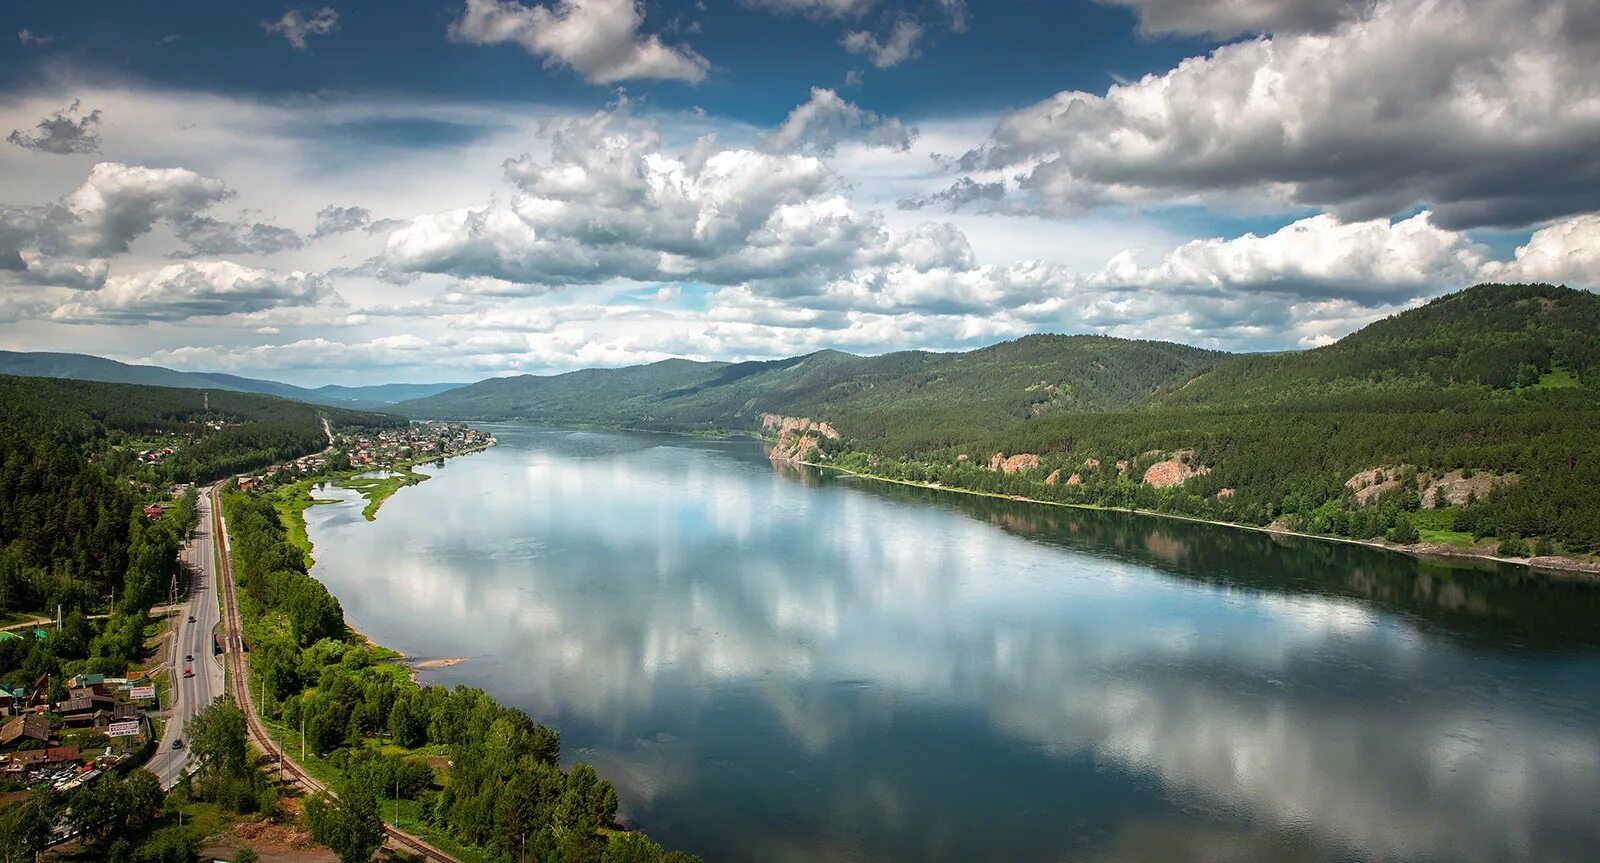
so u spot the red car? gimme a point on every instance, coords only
(188, 671)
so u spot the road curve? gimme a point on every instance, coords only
(236, 683)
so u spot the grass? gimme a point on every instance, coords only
(377, 489)
(16, 618)
(1558, 378)
(291, 502)
(1438, 526)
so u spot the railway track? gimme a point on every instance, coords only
(233, 653)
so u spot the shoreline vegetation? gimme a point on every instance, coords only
(473, 777)
(1552, 565)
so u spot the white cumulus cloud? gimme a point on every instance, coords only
(599, 39)
(826, 120)
(1464, 107)
(194, 289)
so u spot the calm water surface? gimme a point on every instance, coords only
(774, 665)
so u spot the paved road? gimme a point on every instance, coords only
(187, 696)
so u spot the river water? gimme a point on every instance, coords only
(773, 664)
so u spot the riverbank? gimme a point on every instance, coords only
(1557, 566)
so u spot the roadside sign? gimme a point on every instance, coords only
(139, 692)
(122, 729)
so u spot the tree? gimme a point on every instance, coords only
(25, 828)
(348, 825)
(1513, 547)
(1404, 532)
(407, 724)
(218, 740)
(170, 845)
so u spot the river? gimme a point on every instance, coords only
(774, 664)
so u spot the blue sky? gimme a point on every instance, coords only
(761, 63)
(359, 192)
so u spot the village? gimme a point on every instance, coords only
(375, 449)
(99, 724)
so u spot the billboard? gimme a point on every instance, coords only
(142, 692)
(122, 729)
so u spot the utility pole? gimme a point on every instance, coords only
(302, 734)
(397, 804)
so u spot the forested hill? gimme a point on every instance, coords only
(84, 367)
(901, 401)
(1471, 344)
(1474, 416)
(212, 433)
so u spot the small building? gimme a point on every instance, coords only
(95, 682)
(81, 711)
(24, 728)
(153, 511)
(12, 699)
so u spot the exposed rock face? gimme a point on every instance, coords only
(1452, 488)
(1375, 481)
(1091, 464)
(1173, 471)
(1433, 490)
(798, 437)
(1122, 466)
(769, 422)
(962, 457)
(1224, 493)
(1075, 479)
(1054, 475)
(1018, 462)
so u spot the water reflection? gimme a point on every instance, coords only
(789, 666)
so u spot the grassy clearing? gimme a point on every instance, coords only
(377, 489)
(291, 502)
(1558, 378)
(1438, 526)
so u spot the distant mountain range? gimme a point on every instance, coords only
(84, 367)
(904, 401)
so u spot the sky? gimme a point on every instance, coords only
(367, 192)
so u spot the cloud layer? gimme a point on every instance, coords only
(1460, 106)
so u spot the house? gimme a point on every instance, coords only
(12, 699)
(39, 695)
(95, 682)
(81, 711)
(22, 729)
(152, 511)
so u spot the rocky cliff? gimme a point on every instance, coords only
(798, 437)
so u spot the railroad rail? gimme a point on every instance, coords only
(233, 654)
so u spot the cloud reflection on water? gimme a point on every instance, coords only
(715, 633)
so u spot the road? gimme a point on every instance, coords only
(188, 695)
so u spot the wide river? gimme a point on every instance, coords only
(780, 665)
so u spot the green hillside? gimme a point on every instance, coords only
(212, 433)
(84, 367)
(1472, 343)
(900, 402)
(1459, 389)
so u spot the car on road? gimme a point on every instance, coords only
(188, 670)
(188, 657)
(177, 744)
(191, 618)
